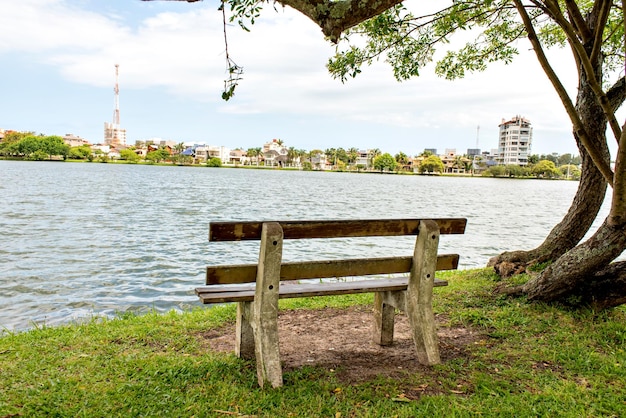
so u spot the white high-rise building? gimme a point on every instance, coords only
(515, 141)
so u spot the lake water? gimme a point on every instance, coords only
(84, 240)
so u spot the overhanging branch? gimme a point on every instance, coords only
(579, 128)
(334, 17)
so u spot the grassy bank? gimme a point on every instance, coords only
(532, 360)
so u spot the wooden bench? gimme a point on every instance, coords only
(257, 287)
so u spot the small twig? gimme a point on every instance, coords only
(234, 71)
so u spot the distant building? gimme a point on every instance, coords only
(114, 135)
(204, 153)
(433, 151)
(472, 152)
(363, 158)
(515, 141)
(75, 141)
(274, 153)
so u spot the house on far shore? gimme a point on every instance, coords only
(238, 156)
(204, 153)
(363, 158)
(274, 153)
(74, 140)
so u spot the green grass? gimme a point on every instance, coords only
(531, 360)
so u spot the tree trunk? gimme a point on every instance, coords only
(584, 276)
(587, 201)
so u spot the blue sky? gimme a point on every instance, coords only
(58, 73)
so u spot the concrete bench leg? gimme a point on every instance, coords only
(385, 304)
(244, 337)
(420, 291)
(265, 306)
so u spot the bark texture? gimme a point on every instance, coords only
(584, 275)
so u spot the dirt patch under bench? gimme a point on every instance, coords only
(341, 340)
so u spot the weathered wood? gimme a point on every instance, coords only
(245, 273)
(384, 316)
(385, 305)
(258, 288)
(265, 307)
(246, 292)
(244, 336)
(237, 231)
(419, 293)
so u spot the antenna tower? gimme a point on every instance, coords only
(477, 135)
(116, 89)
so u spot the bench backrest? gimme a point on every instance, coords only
(238, 231)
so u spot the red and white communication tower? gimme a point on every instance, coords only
(114, 135)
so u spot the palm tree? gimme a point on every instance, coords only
(458, 162)
(292, 154)
(254, 152)
(371, 154)
(402, 159)
(331, 153)
(353, 154)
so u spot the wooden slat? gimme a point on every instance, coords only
(230, 274)
(245, 292)
(237, 231)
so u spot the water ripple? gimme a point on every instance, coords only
(134, 238)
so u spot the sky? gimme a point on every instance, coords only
(58, 74)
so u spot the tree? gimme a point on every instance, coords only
(342, 156)
(570, 171)
(402, 159)
(495, 171)
(371, 155)
(468, 165)
(514, 170)
(129, 155)
(79, 153)
(292, 154)
(431, 164)
(8, 145)
(157, 156)
(214, 162)
(39, 147)
(385, 162)
(331, 154)
(353, 155)
(593, 31)
(545, 169)
(533, 159)
(180, 147)
(255, 153)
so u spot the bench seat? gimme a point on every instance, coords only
(245, 292)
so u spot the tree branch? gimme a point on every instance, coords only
(579, 128)
(334, 17)
(603, 16)
(586, 63)
(579, 21)
(617, 94)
